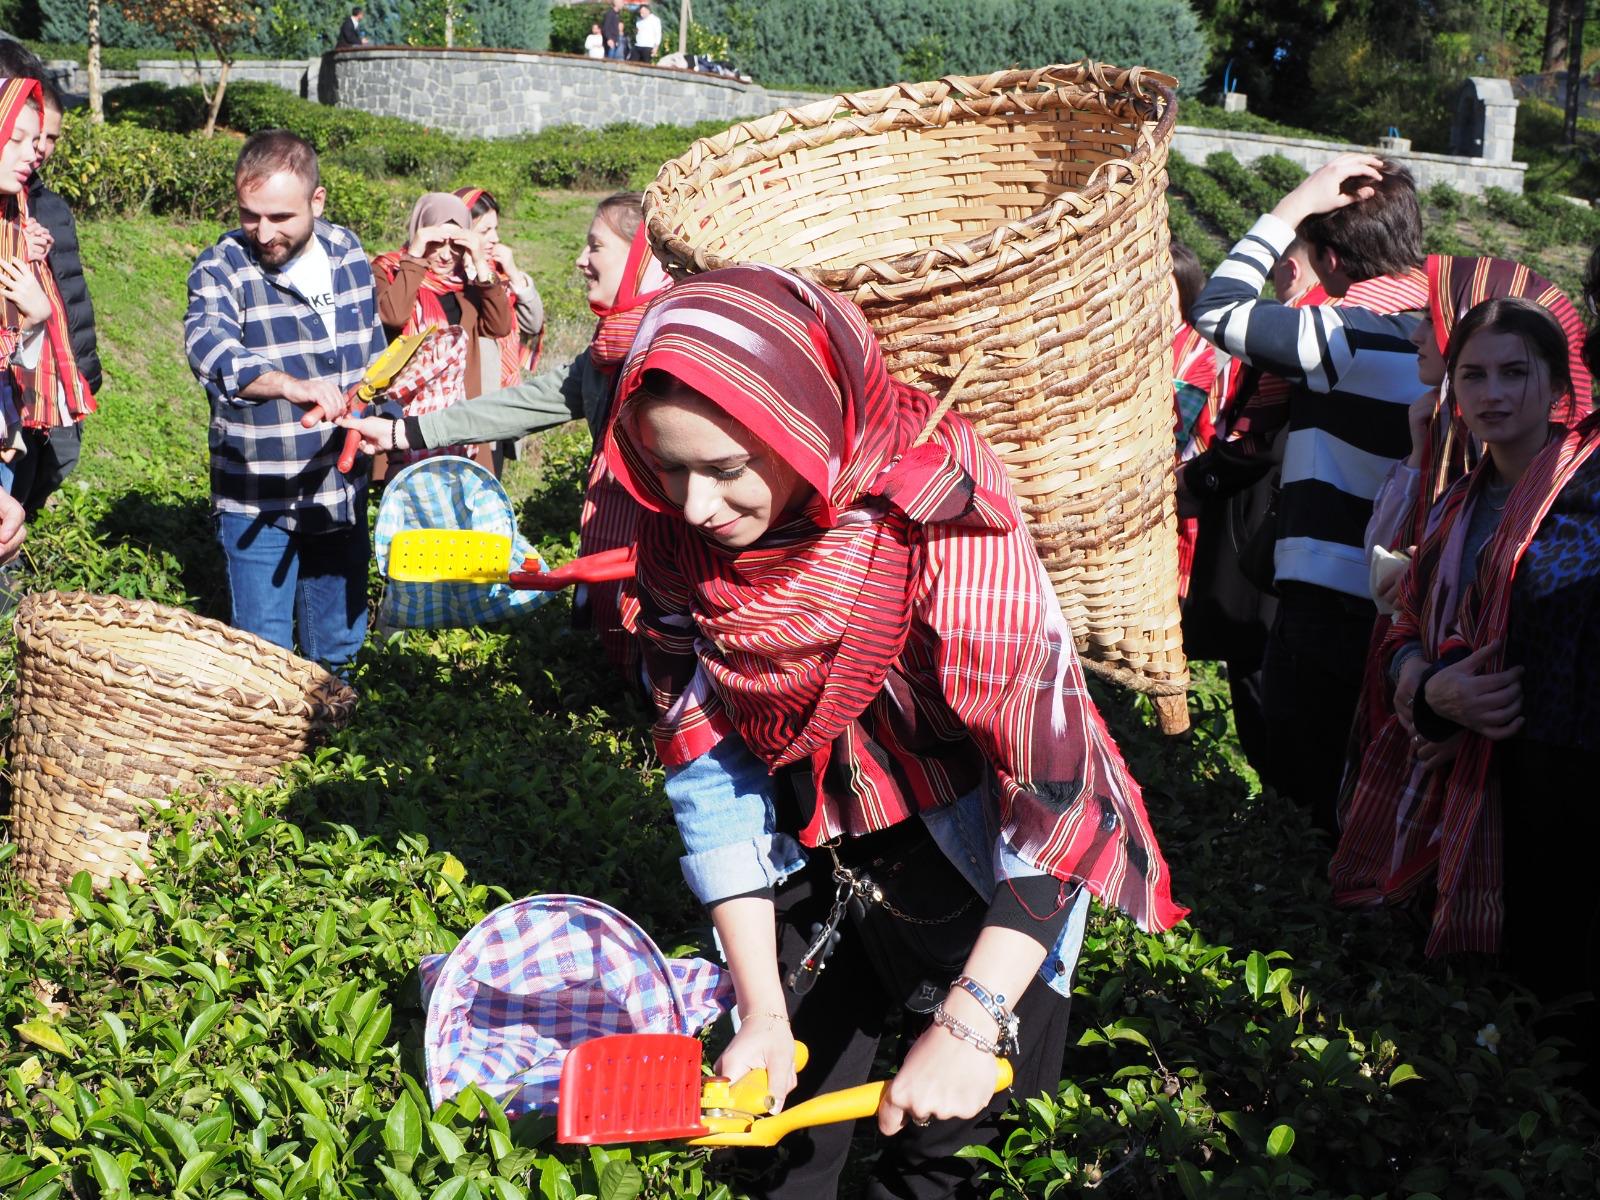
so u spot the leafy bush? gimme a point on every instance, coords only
(839, 44)
(1210, 202)
(301, 28)
(570, 23)
(1253, 193)
(1281, 174)
(1209, 116)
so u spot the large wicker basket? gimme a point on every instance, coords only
(1009, 230)
(120, 703)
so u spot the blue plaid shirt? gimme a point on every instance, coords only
(244, 321)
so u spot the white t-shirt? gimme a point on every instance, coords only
(647, 32)
(311, 274)
(595, 46)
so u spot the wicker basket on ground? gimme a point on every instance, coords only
(120, 703)
(1005, 234)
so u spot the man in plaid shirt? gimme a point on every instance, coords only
(282, 322)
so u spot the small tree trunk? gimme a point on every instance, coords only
(449, 24)
(1574, 75)
(216, 96)
(1558, 23)
(97, 108)
(685, 15)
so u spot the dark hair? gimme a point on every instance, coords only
(18, 62)
(485, 203)
(1535, 324)
(273, 150)
(1381, 235)
(623, 211)
(1190, 277)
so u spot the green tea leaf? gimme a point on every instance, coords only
(44, 1035)
(620, 1181)
(1280, 1141)
(204, 1023)
(402, 1132)
(399, 1183)
(108, 1173)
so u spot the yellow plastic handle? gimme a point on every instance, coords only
(851, 1104)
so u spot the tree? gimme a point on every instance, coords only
(219, 25)
(97, 109)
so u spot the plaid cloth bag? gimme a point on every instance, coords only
(449, 493)
(535, 978)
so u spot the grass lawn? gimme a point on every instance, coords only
(246, 1023)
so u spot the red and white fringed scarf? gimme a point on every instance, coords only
(610, 517)
(897, 639)
(1403, 826)
(56, 375)
(1194, 382)
(1455, 286)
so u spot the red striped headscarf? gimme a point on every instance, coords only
(610, 517)
(1403, 827)
(895, 641)
(57, 372)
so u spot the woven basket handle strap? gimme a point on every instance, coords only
(950, 397)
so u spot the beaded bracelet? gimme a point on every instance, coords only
(1006, 1024)
(964, 1031)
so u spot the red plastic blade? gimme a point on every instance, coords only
(591, 568)
(630, 1087)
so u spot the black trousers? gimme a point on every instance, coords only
(845, 1015)
(1311, 683)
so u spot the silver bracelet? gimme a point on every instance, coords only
(1007, 1027)
(964, 1031)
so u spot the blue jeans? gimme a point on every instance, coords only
(277, 579)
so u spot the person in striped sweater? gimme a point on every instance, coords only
(880, 749)
(1353, 370)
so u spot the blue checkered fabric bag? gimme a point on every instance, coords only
(538, 976)
(449, 492)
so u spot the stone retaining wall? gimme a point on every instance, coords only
(1469, 175)
(496, 93)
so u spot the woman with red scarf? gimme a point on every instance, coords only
(444, 277)
(42, 388)
(895, 791)
(1480, 783)
(621, 277)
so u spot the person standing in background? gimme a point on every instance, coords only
(595, 44)
(350, 32)
(611, 32)
(646, 35)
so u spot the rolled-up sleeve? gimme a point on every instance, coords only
(722, 802)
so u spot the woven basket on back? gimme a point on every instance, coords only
(120, 703)
(1009, 231)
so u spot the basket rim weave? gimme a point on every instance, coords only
(934, 104)
(335, 699)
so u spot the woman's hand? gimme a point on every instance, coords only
(1489, 705)
(21, 286)
(378, 434)
(1420, 417)
(501, 257)
(12, 528)
(765, 1042)
(476, 263)
(1435, 756)
(39, 239)
(430, 237)
(942, 1077)
(1405, 692)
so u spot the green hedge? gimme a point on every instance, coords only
(846, 44)
(300, 28)
(105, 170)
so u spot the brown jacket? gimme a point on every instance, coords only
(485, 314)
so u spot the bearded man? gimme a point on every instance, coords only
(282, 322)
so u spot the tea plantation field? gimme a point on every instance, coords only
(245, 1022)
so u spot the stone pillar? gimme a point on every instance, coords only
(1235, 102)
(1485, 124)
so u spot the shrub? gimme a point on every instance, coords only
(840, 44)
(1210, 202)
(1249, 189)
(301, 28)
(1281, 174)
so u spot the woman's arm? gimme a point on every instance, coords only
(495, 319)
(944, 1076)
(397, 297)
(747, 930)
